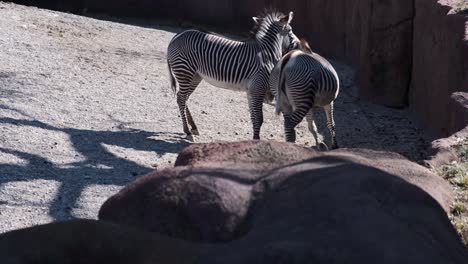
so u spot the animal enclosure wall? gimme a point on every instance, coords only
(388, 42)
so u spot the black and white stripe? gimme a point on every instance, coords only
(237, 65)
(301, 81)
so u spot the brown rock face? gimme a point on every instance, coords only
(459, 115)
(89, 241)
(440, 66)
(442, 150)
(344, 206)
(384, 65)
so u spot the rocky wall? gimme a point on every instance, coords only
(440, 66)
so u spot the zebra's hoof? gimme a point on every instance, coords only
(322, 146)
(335, 146)
(195, 132)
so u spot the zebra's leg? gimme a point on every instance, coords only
(313, 129)
(291, 120)
(194, 129)
(186, 88)
(255, 95)
(182, 102)
(331, 124)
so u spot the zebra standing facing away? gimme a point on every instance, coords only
(237, 65)
(302, 80)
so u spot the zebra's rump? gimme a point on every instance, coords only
(314, 71)
(304, 80)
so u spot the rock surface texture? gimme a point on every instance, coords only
(90, 241)
(440, 65)
(442, 150)
(324, 207)
(459, 114)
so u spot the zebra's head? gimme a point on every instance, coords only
(272, 23)
(290, 42)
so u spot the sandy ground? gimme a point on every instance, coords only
(86, 107)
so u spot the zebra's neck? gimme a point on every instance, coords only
(271, 47)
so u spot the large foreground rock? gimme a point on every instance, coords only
(252, 155)
(346, 206)
(260, 157)
(343, 213)
(190, 203)
(88, 241)
(207, 195)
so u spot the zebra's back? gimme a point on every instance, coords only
(220, 61)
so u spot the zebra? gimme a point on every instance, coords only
(301, 81)
(194, 55)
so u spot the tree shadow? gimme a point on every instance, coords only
(97, 165)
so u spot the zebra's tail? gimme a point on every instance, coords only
(283, 103)
(172, 79)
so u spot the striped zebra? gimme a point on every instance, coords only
(301, 81)
(237, 65)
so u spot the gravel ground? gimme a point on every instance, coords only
(86, 107)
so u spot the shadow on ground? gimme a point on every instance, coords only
(98, 167)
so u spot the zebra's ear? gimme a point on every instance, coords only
(255, 19)
(291, 15)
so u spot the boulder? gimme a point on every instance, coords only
(342, 206)
(396, 164)
(263, 156)
(258, 155)
(207, 195)
(459, 104)
(90, 241)
(195, 204)
(332, 210)
(442, 150)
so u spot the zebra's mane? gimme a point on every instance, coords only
(265, 20)
(304, 46)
